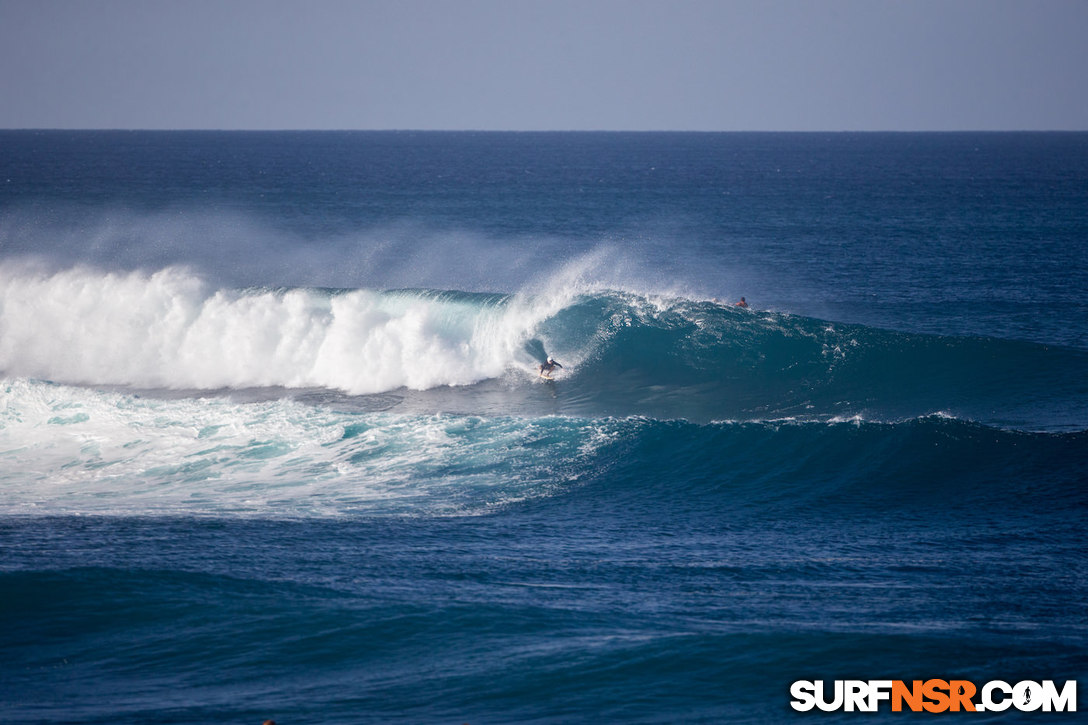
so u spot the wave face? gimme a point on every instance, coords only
(702, 361)
(623, 353)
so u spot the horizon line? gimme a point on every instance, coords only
(526, 131)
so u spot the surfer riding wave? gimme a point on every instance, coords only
(547, 368)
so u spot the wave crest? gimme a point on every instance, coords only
(168, 329)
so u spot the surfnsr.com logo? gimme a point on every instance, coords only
(934, 696)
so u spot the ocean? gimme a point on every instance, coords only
(273, 442)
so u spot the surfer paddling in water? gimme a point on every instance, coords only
(546, 368)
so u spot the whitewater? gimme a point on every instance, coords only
(168, 329)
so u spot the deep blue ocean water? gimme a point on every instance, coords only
(273, 443)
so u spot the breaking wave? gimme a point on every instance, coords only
(623, 353)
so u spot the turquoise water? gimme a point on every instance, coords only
(273, 445)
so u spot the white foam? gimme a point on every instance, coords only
(66, 450)
(170, 329)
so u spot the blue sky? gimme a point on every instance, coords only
(534, 65)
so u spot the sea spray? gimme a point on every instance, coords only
(169, 329)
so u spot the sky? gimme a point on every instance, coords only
(681, 65)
